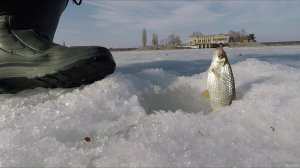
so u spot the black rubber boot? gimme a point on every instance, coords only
(30, 59)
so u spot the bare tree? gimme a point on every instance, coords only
(243, 32)
(174, 40)
(170, 40)
(178, 41)
(238, 36)
(154, 40)
(162, 42)
(234, 35)
(243, 35)
(144, 37)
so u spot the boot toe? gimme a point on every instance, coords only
(88, 64)
(69, 67)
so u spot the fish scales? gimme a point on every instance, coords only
(220, 81)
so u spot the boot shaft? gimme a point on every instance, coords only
(30, 59)
(42, 15)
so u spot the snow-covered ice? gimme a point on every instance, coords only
(150, 113)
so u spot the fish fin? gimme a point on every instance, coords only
(223, 62)
(215, 73)
(206, 94)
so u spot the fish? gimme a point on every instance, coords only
(220, 81)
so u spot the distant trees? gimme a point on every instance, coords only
(238, 36)
(155, 40)
(241, 36)
(174, 40)
(162, 42)
(144, 37)
(251, 37)
(171, 40)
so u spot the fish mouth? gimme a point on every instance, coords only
(220, 61)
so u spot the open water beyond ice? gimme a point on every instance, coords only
(150, 113)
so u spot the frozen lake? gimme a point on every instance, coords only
(150, 113)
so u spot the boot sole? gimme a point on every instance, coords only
(82, 72)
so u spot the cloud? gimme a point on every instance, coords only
(262, 12)
(120, 22)
(154, 15)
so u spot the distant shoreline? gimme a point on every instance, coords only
(281, 43)
(256, 44)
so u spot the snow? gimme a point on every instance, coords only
(150, 113)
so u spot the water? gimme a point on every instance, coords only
(150, 113)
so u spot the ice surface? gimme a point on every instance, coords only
(150, 113)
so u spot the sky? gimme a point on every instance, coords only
(119, 23)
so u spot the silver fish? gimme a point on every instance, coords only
(220, 82)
